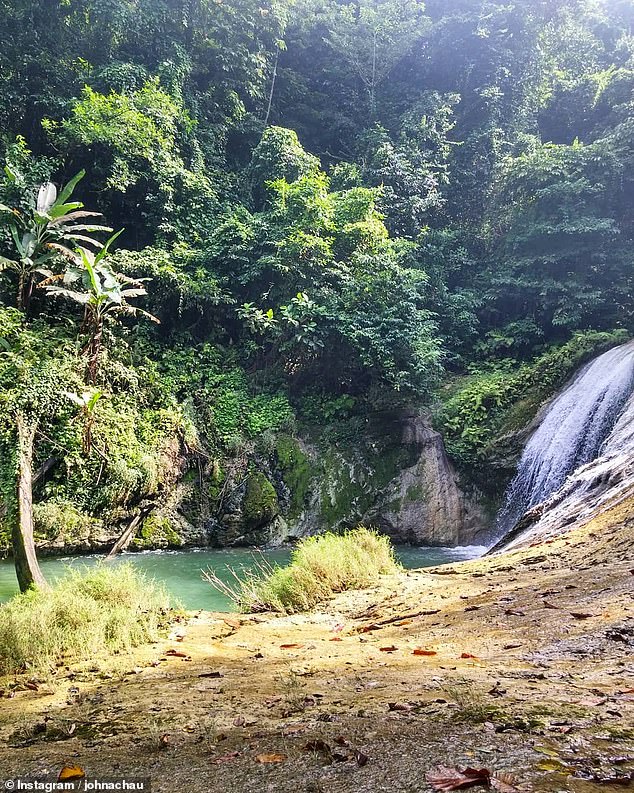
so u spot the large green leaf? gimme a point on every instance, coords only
(7, 264)
(82, 238)
(59, 210)
(68, 188)
(85, 227)
(84, 213)
(28, 244)
(83, 298)
(104, 251)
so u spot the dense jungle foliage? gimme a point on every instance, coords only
(326, 209)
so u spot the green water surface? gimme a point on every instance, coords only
(180, 571)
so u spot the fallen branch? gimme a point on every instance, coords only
(126, 537)
(375, 626)
(46, 466)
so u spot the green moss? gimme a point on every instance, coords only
(339, 492)
(351, 482)
(297, 472)
(502, 396)
(260, 504)
(157, 532)
(415, 493)
(216, 481)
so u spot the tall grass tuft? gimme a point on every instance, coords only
(89, 612)
(320, 566)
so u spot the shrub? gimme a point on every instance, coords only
(55, 519)
(319, 567)
(107, 608)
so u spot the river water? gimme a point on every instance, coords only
(180, 571)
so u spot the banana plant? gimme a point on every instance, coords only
(45, 232)
(86, 402)
(91, 282)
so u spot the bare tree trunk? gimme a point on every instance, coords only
(268, 108)
(27, 567)
(20, 295)
(93, 350)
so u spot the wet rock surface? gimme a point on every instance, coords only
(591, 490)
(392, 472)
(424, 504)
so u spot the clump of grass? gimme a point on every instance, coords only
(106, 608)
(293, 689)
(471, 705)
(320, 566)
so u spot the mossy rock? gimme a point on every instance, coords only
(416, 493)
(351, 482)
(157, 532)
(297, 472)
(260, 504)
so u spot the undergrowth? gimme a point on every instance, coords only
(319, 567)
(88, 613)
(503, 396)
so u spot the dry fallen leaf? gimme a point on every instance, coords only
(401, 706)
(318, 746)
(69, 772)
(553, 765)
(390, 649)
(270, 757)
(176, 653)
(290, 646)
(443, 778)
(580, 615)
(497, 690)
(361, 758)
(504, 783)
(225, 757)
(420, 651)
(468, 655)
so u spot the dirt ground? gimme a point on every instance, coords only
(521, 663)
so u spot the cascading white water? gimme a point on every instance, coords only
(571, 433)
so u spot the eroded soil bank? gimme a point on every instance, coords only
(527, 668)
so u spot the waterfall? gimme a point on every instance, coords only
(572, 432)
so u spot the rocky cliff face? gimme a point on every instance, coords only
(424, 504)
(392, 473)
(588, 492)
